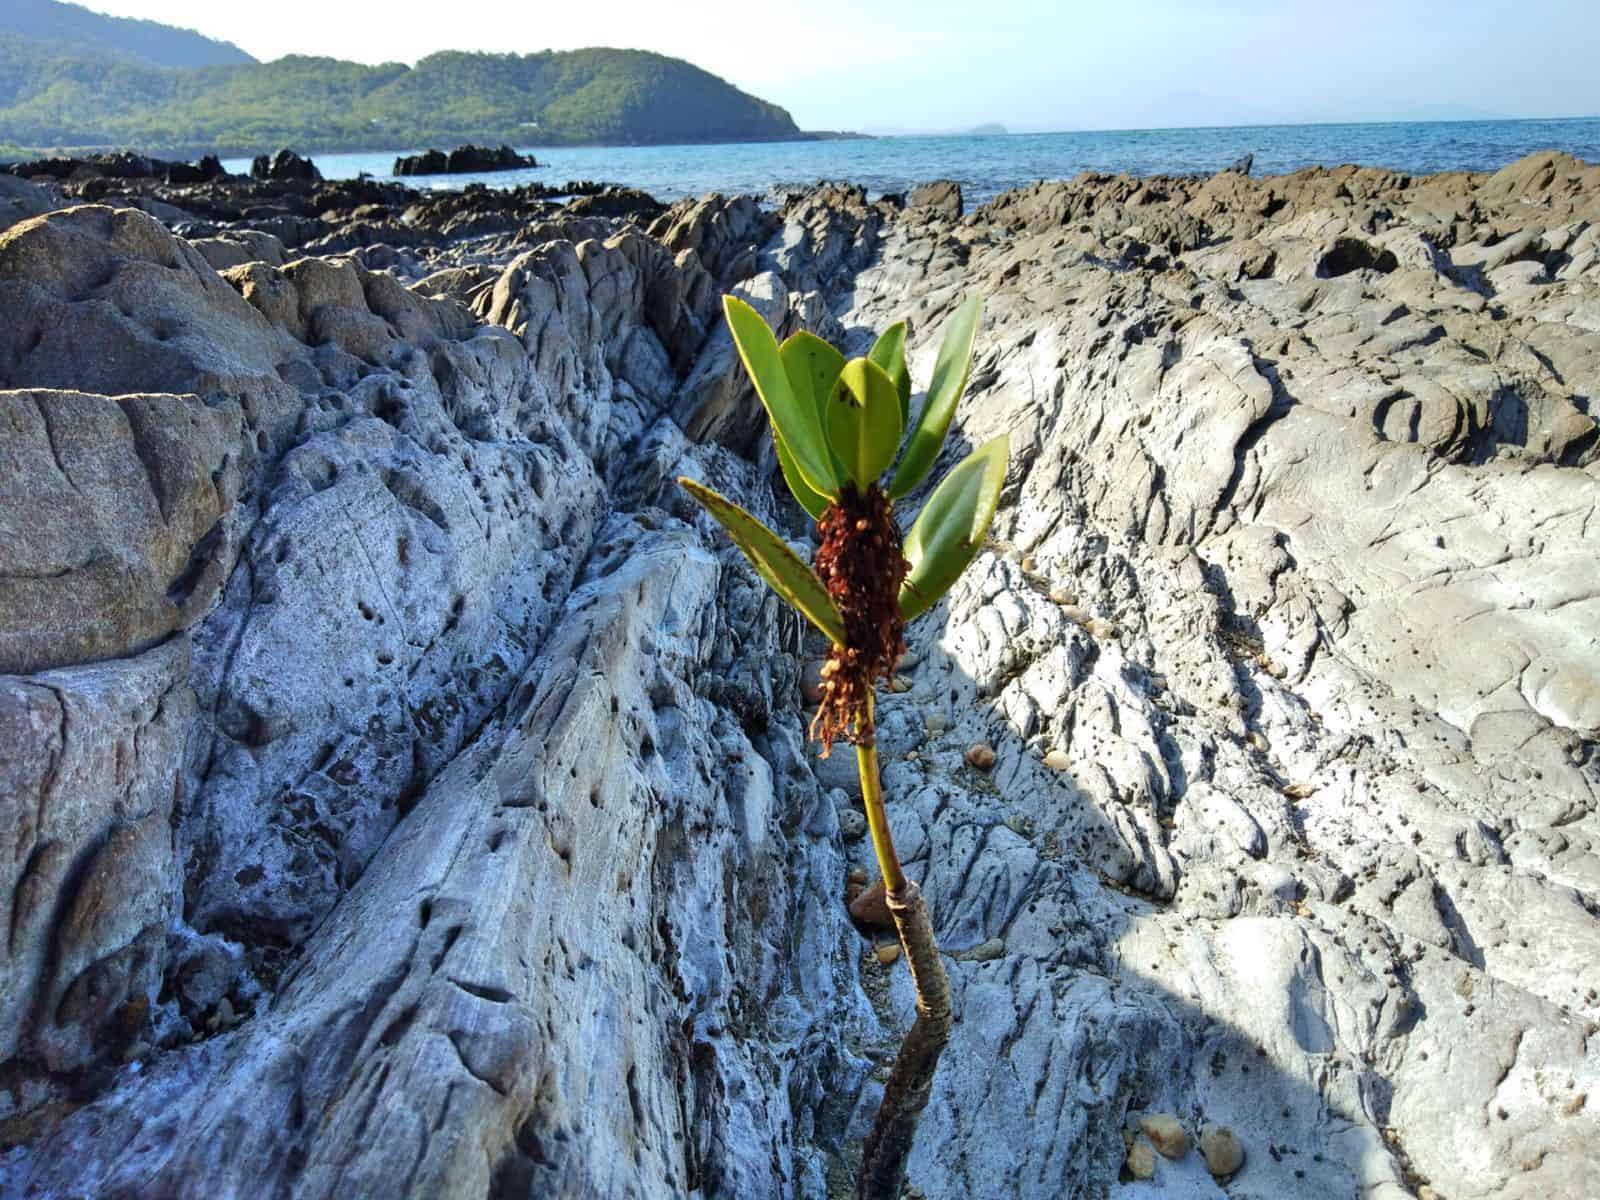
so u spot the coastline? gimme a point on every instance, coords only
(465, 833)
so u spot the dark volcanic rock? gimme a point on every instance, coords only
(464, 160)
(285, 167)
(616, 202)
(119, 166)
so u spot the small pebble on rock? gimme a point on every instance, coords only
(852, 825)
(1062, 596)
(1166, 1134)
(1057, 760)
(871, 909)
(988, 951)
(888, 953)
(858, 875)
(1141, 1161)
(1221, 1149)
(980, 755)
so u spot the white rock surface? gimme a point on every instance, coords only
(445, 746)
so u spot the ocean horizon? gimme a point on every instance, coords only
(988, 164)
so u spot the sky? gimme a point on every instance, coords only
(938, 65)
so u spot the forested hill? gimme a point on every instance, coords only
(71, 28)
(76, 100)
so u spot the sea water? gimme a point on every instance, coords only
(985, 166)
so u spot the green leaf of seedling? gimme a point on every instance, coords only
(951, 526)
(773, 561)
(950, 372)
(797, 423)
(889, 352)
(813, 368)
(813, 502)
(864, 420)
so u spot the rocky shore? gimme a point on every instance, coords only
(407, 791)
(464, 160)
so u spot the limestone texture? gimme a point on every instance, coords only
(406, 784)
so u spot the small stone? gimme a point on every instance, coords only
(1057, 760)
(1141, 1161)
(1165, 1134)
(1062, 597)
(900, 684)
(1258, 741)
(852, 825)
(1029, 563)
(1076, 615)
(858, 875)
(988, 951)
(1221, 1149)
(871, 909)
(225, 1016)
(1101, 631)
(1299, 791)
(888, 953)
(980, 756)
(1427, 1193)
(1277, 670)
(935, 723)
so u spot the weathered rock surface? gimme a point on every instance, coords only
(407, 786)
(464, 160)
(285, 166)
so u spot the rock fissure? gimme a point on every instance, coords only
(1284, 828)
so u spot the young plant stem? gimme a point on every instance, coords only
(894, 879)
(883, 1161)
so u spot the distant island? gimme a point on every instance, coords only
(72, 80)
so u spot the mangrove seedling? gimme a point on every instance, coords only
(838, 428)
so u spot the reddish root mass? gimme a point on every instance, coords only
(861, 564)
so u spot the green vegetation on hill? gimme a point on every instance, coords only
(67, 101)
(73, 29)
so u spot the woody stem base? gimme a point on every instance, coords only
(883, 1162)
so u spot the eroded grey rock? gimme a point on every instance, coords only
(494, 859)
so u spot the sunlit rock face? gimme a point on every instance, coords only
(407, 790)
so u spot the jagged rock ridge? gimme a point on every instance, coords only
(407, 787)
